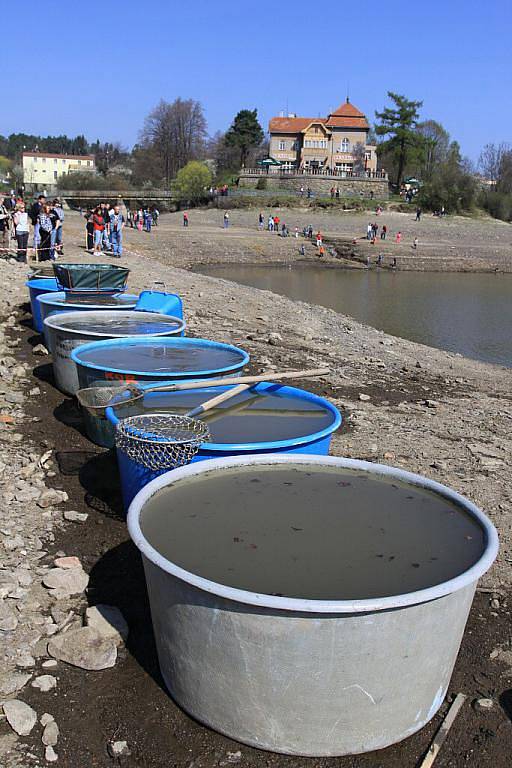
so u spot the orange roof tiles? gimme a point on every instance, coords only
(346, 116)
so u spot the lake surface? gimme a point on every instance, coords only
(466, 313)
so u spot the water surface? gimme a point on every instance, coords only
(317, 533)
(466, 313)
(156, 357)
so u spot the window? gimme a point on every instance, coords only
(282, 145)
(55, 162)
(345, 145)
(79, 162)
(63, 162)
(88, 162)
(55, 174)
(44, 159)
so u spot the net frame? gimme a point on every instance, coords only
(160, 441)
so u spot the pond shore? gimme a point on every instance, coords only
(404, 404)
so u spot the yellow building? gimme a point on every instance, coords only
(323, 143)
(41, 170)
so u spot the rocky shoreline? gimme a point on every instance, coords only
(71, 588)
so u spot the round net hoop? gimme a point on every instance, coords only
(160, 440)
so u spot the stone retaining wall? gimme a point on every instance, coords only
(320, 185)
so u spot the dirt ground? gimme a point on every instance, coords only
(429, 411)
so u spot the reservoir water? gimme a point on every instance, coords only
(468, 313)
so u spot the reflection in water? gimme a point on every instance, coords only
(466, 313)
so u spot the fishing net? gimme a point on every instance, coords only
(160, 440)
(95, 400)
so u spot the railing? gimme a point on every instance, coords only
(112, 194)
(337, 173)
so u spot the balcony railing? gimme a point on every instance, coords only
(337, 173)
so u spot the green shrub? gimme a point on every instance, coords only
(262, 183)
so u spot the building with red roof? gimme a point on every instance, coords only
(330, 143)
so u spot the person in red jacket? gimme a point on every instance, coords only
(98, 223)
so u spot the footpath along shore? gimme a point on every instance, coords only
(74, 690)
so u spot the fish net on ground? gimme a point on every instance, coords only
(159, 440)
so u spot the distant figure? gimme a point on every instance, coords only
(21, 227)
(117, 223)
(296, 232)
(89, 231)
(369, 231)
(302, 250)
(270, 223)
(321, 251)
(368, 262)
(380, 259)
(318, 239)
(310, 231)
(226, 220)
(393, 263)
(98, 227)
(309, 192)
(337, 193)
(276, 223)
(418, 214)
(260, 221)
(398, 238)
(415, 243)
(156, 214)
(185, 219)
(383, 232)
(302, 191)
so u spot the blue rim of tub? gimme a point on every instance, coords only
(143, 340)
(271, 445)
(49, 298)
(31, 282)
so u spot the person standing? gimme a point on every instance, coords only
(140, 219)
(185, 219)
(34, 215)
(302, 191)
(89, 231)
(415, 243)
(156, 214)
(56, 227)
(418, 214)
(383, 232)
(260, 221)
(106, 220)
(45, 221)
(57, 246)
(98, 229)
(117, 223)
(398, 238)
(21, 227)
(277, 221)
(270, 223)
(4, 226)
(369, 231)
(226, 220)
(149, 221)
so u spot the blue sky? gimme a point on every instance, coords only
(99, 68)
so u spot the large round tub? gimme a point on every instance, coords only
(268, 418)
(69, 330)
(36, 287)
(308, 605)
(64, 301)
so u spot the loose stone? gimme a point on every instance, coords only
(44, 683)
(108, 621)
(50, 734)
(20, 716)
(85, 648)
(118, 749)
(75, 517)
(50, 755)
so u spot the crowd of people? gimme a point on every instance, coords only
(105, 224)
(44, 218)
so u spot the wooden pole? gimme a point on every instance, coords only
(442, 733)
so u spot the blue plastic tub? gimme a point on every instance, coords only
(62, 301)
(159, 301)
(37, 286)
(93, 372)
(302, 406)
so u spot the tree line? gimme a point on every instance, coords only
(175, 134)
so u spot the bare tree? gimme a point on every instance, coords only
(491, 159)
(177, 133)
(434, 147)
(359, 154)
